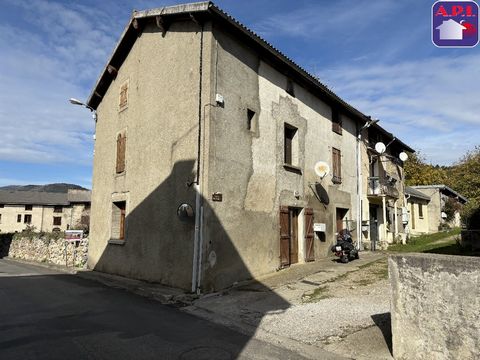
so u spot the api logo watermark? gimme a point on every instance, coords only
(455, 23)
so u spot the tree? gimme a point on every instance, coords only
(418, 172)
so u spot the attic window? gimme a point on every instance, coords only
(290, 88)
(336, 122)
(123, 98)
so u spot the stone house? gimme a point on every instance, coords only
(418, 214)
(206, 143)
(440, 195)
(45, 211)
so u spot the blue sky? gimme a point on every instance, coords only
(377, 55)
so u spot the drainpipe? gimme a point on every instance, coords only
(384, 214)
(198, 238)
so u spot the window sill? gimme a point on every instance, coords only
(336, 180)
(116, 242)
(292, 168)
(120, 174)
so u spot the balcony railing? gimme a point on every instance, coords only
(377, 187)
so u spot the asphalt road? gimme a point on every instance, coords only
(49, 315)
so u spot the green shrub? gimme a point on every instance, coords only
(470, 215)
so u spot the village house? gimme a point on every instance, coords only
(44, 211)
(418, 214)
(206, 144)
(444, 207)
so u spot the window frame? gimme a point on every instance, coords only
(337, 125)
(27, 219)
(57, 208)
(59, 222)
(336, 166)
(19, 218)
(28, 207)
(289, 134)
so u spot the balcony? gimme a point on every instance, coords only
(378, 187)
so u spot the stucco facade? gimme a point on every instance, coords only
(209, 120)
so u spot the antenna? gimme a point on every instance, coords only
(321, 169)
(380, 147)
(403, 156)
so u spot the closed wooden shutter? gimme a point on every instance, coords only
(337, 165)
(284, 236)
(309, 235)
(121, 144)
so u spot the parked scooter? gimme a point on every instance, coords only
(344, 248)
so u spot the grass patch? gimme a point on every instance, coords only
(428, 243)
(317, 295)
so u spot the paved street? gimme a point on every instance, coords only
(50, 315)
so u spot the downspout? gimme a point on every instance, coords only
(359, 191)
(198, 238)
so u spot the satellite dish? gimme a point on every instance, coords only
(321, 169)
(380, 147)
(403, 156)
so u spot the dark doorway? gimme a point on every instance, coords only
(288, 235)
(340, 218)
(374, 226)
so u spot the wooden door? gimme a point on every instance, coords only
(309, 235)
(284, 236)
(373, 226)
(293, 236)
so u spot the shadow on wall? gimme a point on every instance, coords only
(159, 247)
(5, 241)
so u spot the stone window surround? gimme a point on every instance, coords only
(119, 197)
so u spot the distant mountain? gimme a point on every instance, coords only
(55, 188)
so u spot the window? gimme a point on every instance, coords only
(57, 220)
(336, 122)
(118, 220)
(251, 120)
(290, 144)
(420, 211)
(27, 219)
(2, 206)
(121, 144)
(123, 98)
(19, 218)
(28, 207)
(337, 166)
(290, 88)
(57, 209)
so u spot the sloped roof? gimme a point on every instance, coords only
(79, 196)
(444, 189)
(208, 10)
(416, 194)
(32, 198)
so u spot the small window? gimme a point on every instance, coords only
(290, 139)
(251, 120)
(336, 122)
(118, 220)
(337, 166)
(121, 145)
(57, 208)
(19, 218)
(57, 220)
(0, 218)
(420, 211)
(290, 88)
(27, 219)
(28, 207)
(123, 98)
(2, 206)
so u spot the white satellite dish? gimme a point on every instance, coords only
(403, 156)
(380, 147)
(321, 169)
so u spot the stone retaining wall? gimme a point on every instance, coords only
(53, 251)
(435, 306)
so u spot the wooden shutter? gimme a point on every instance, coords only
(284, 236)
(121, 144)
(337, 165)
(309, 235)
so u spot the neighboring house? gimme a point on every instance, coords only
(383, 200)
(45, 211)
(441, 196)
(418, 211)
(206, 143)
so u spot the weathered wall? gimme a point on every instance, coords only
(418, 225)
(49, 250)
(434, 308)
(161, 127)
(247, 166)
(434, 209)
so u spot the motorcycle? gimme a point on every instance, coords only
(344, 248)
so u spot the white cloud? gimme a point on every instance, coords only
(431, 104)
